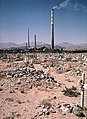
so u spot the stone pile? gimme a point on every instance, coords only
(29, 77)
(72, 108)
(64, 109)
(76, 73)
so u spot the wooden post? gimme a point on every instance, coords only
(82, 90)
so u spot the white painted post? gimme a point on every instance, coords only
(86, 96)
(25, 59)
(82, 90)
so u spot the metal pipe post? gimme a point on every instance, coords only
(82, 90)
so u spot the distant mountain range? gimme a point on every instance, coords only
(8, 45)
(69, 45)
(14, 45)
(65, 45)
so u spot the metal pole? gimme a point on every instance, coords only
(82, 90)
(86, 97)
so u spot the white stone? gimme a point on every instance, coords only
(85, 86)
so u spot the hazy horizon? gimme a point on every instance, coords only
(46, 43)
(18, 15)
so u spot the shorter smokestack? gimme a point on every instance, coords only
(35, 41)
(28, 39)
(26, 45)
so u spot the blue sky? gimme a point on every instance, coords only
(17, 15)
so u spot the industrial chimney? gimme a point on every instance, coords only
(52, 29)
(26, 45)
(28, 39)
(35, 41)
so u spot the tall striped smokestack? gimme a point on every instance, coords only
(28, 39)
(52, 29)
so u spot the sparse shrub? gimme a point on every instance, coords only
(10, 117)
(46, 103)
(6, 118)
(74, 88)
(71, 92)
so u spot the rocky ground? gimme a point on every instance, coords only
(42, 86)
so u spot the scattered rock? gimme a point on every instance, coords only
(19, 81)
(1, 89)
(58, 105)
(77, 110)
(9, 99)
(30, 86)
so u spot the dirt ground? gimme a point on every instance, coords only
(27, 104)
